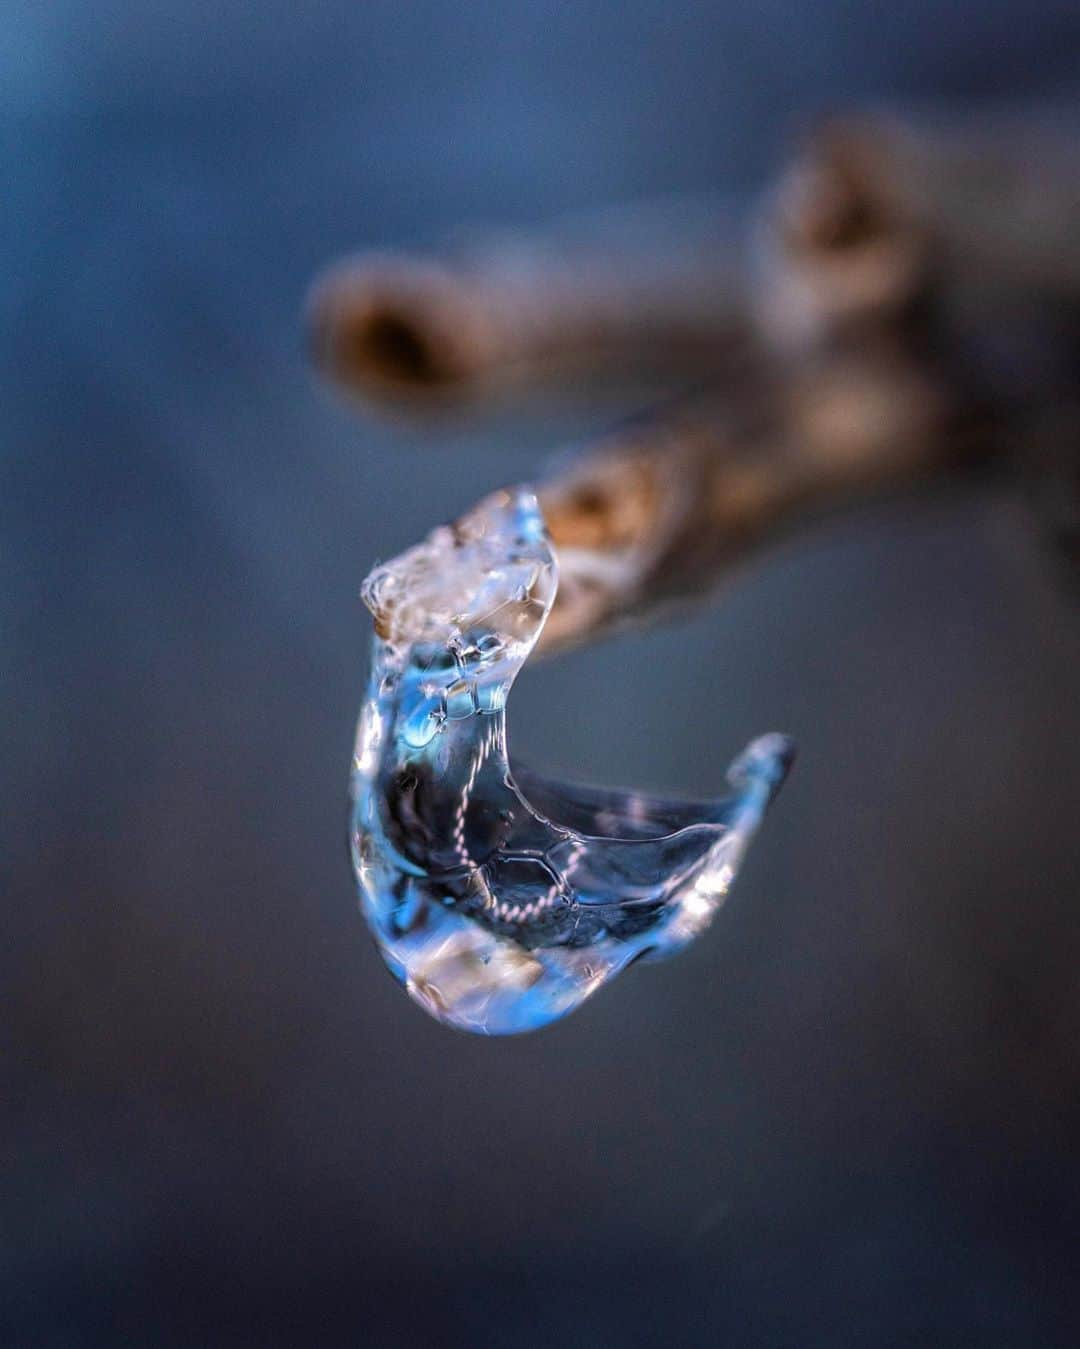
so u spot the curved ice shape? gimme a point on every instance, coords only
(500, 900)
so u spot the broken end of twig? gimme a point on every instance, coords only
(839, 250)
(397, 328)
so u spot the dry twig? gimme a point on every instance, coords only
(908, 301)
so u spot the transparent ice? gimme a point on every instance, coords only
(501, 900)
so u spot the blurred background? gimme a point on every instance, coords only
(848, 1117)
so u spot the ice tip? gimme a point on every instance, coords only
(766, 759)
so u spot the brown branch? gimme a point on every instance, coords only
(663, 511)
(637, 294)
(907, 301)
(878, 213)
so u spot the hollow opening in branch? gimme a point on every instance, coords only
(391, 346)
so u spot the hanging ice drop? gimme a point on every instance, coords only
(499, 899)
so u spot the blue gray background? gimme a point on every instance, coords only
(851, 1115)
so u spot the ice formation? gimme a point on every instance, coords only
(501, 900)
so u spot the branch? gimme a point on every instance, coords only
(639, 292)
(662, 511)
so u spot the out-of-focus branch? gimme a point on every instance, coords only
(960, 242)
(662, 511)
(908, 299)
(632, 296)
(877, 213)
